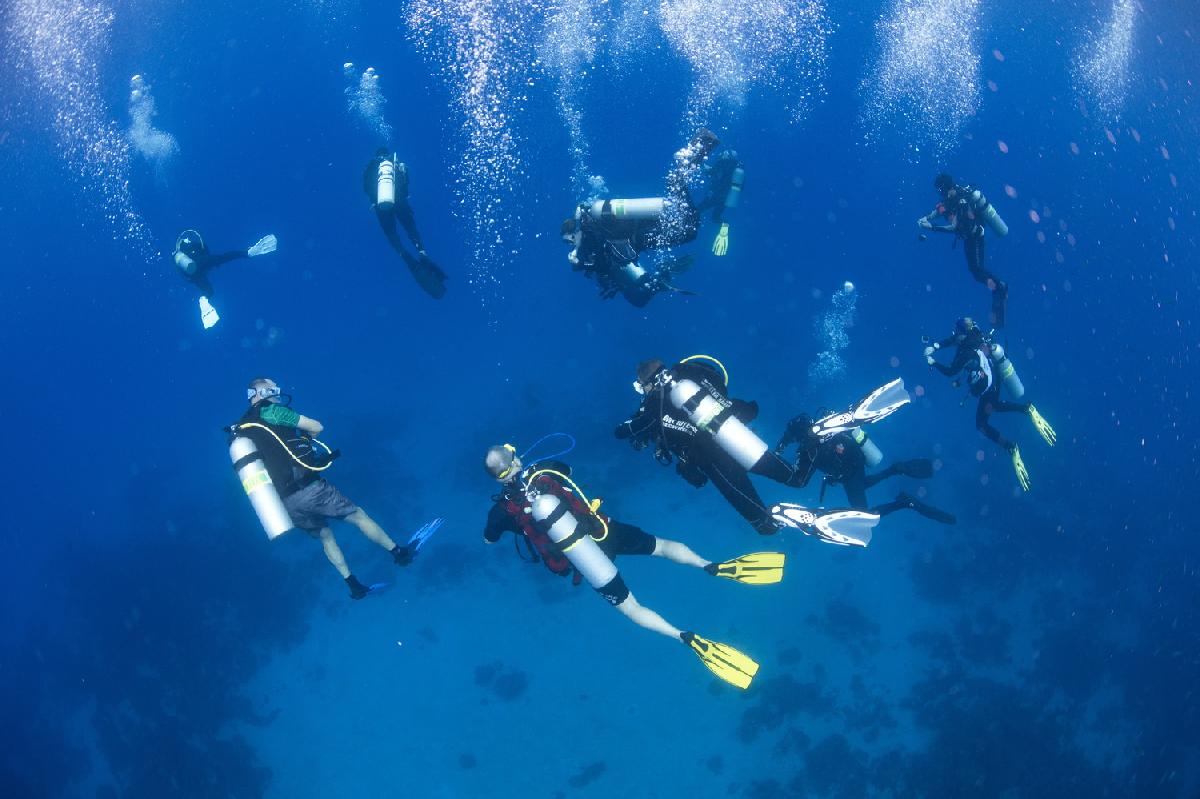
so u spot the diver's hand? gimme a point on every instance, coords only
(924, 222)
(929, 353)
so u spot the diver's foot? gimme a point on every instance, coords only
(357, 589)
(767, 526)
(402, 555)
(703, 143)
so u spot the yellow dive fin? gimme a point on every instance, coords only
(722, 660)
(1019, 468)
(757, 568)
(1043, 427)
(721, 242)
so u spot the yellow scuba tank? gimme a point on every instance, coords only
(576, 544)
(256, 481)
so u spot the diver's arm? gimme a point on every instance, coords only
(636, 425)
(498, 523)
(310, 426)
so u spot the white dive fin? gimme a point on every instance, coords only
(879, 404)
(208, 314)
(263, 246)
(847, 528)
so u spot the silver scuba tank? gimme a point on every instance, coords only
(988, 212)
(870, 450)
(735, 188)
(264, 498)
(185, 263)
(730, 433)
(385, 186)
(579, 547)
(1007, 372)
(640, 209)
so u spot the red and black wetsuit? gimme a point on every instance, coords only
(512, 513)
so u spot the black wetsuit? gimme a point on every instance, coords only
(842, 461)
(720, 182)
(204, 262)
(428, 275)
(965, 222)
(987, 388)
(700, 458)
(608, 244)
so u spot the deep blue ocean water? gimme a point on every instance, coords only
(157, 644)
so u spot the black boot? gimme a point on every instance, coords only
(357, 589)
(402, 555)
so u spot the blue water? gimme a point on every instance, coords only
(157, 644)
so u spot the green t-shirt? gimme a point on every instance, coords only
(279, 414)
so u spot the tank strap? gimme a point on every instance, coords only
(245, 459)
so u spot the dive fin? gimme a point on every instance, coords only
(424, 534)
(1019, 468)
(757, 568)
(920, 468)
(846, 527)
(263, 246)
(879, 404)
(1043, 427)
(721, 242)
(722, 660)
(429, 276)
(208, 314)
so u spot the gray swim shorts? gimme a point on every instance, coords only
(312, 506)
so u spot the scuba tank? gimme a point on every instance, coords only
(567, 532)
(708, 414)
(735, 188)
(870, 449)
(645, 208)
(986, 210)
(183, 260)
(1007, 373)
(251, 470)
(385, 186)
(186, 264)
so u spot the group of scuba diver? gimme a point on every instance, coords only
(385, 182)
(686, 415)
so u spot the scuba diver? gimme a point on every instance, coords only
(281, 464)
(726, 176)
(385, 181)
(967, 211)
(607, 236)
(688, 416)
(988, 369)
(195, 261)
(543, 504)
(844, 458)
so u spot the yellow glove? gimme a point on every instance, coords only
(595, 504)
(721, 242)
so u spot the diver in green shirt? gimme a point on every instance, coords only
(295, 461)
